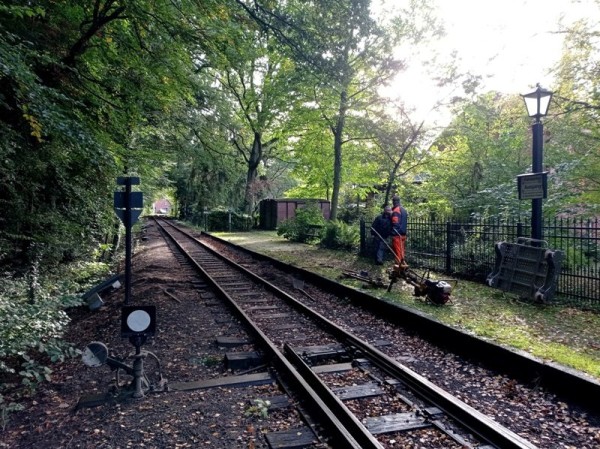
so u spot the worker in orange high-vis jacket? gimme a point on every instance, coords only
(399, 219)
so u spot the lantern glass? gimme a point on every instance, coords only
(537, 102)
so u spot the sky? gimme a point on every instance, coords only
(514, 40)
(512, 43)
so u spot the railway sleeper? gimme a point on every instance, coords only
(366, 390)
(396, 422)
(236, 361)
(299, 438)
(317, 355)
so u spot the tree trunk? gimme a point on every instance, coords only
(116, 239)
(390, 183)
(337, 151)
(251, 175)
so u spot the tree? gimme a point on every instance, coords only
(354, 57)
(573, 127)
(255, 78)
(82, 85)
(478, 157)
(395, 138)
(348, 56)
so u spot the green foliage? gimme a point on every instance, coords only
(31, 335)
(22, 12)
(339, 235)
(313, 169)
(6, 408)
(32, 328)
(352, 211)
(209, 361)
(218, 220)
(79, 107)
(260, 409)
(305, 226)
(474, 163)
(573, 123)
(204, 181)
(346, 55)
(253, 80)
(473, 256)
(80, 276)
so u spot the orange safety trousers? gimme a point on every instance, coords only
(398, 246)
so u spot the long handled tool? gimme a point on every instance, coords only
(438, 292)
(386, 244)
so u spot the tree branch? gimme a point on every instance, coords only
(101, 17)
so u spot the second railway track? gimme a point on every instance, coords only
(342, 374)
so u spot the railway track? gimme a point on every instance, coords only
(361, 397)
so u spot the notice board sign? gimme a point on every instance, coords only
(532, 186)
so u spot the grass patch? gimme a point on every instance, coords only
(568, 336)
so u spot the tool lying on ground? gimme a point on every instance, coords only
(437, 292)
(299, 285)
(364, 276)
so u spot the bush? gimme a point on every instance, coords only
(473, 256)
(339, 235)
(33, 317)
(352, 214)
(305, 227)
(217, 220)
(31, 329)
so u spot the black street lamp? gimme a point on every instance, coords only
(537, 103)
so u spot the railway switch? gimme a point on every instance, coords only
(137, 323)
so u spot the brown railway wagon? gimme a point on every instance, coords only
(274, 211)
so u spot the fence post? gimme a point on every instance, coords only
(448, 248)
(363, 236)
(519, 229)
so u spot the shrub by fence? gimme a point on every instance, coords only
(466, 249)
(223, 221)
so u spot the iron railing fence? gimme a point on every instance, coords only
(465, 248)
(580, 241)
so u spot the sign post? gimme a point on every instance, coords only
(128, 207)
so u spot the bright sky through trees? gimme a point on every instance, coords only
(512, 44)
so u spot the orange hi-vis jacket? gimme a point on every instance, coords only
(399, 219)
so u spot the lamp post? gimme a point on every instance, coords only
(537, 103)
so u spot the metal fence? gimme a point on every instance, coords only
(466, 249)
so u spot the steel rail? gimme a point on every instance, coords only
(480, 424)
(340, 432)
(572, 385)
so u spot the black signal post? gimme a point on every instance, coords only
(128, 207)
